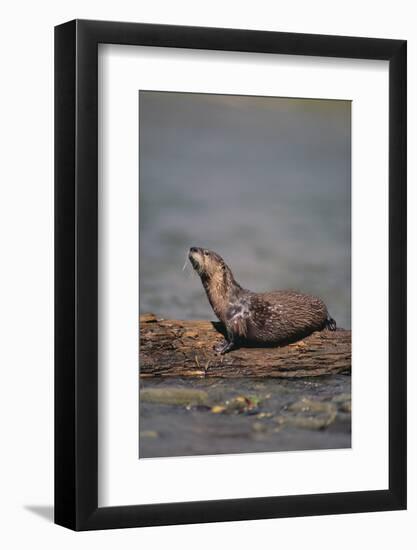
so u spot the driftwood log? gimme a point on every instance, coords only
(185, 348)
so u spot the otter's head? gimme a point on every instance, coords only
(217, 279)
(207, 263)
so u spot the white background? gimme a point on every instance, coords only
(122, 478)
(26, 287)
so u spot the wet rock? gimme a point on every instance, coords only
(309, 422)
(151, 434)
(310, 406)
(259, 427)
(237, 405)
(346, 407)
(343, 402)
(308, 414)
(264, 415)
(341, 398)
(174, 396)
(241, 404)
(217, 409)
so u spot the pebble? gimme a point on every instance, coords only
(151, 434)
(174, 396)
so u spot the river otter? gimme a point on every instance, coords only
(256, 318)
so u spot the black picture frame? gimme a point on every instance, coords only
(76, 272)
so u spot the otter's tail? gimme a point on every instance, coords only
(330, 323)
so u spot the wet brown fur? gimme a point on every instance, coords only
(257, 318)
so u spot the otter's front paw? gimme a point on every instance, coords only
(223, 347)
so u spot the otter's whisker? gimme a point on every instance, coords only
(186, 265)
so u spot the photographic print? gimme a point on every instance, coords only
(244, 274)
(227, 210)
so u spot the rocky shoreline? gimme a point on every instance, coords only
(186, 417)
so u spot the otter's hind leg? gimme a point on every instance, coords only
(330, 323)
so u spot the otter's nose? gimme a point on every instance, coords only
(193, 249)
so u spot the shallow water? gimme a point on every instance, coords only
(282, 416)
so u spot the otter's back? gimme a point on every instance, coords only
(284, 315)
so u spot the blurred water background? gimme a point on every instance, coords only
(265, 182)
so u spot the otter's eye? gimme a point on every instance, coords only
(206, 253)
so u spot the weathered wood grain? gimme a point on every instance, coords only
(185, 348)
